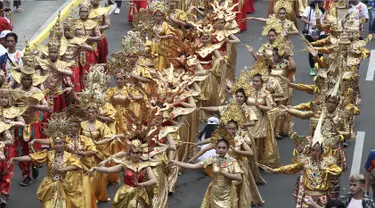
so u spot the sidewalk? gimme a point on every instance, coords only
(33, 16)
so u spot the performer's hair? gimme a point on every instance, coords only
(357, 178)
(258, 75)
(241, 90)
(12, 34)
(223, 140)
(272, 30)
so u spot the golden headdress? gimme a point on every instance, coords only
(54, 43)
(92, 98)
(137, 146)
(75, 113)
(242, 82)
(56, 32)
(57, 126)
(222, 133)
(5, 89)
(318, 136)
(85, 4)
(224, 11)
(132, 43)
(69, 20)
(233, 113)
(335, 92)
(158, 6)
(282, 4)
(96, 78)
(272, 23)
(204, 27)
(351, 22)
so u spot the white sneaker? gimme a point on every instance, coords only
(117, 11)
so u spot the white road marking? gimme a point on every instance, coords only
(371, 67)
(357, 156)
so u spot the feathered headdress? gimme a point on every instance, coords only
(137, 146)
(318, 136)
(224, 11)
(204, 27)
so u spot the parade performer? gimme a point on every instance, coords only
(94, 129)
(71, 49)
(224, 170)
(233, 120)
(296, 9)
(319, 166)
(85, 27)
(28, 96)
(58, 71)
(100, 15)
(56, 189)
(138, 176)
(282, 8)
(83, 148)
(11, 118)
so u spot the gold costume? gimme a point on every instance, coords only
(221, 192)
(59, 191)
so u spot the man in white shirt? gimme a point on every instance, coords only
(14, 55)
(357, 198)
(361, 8)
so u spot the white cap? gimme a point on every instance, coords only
(212, 121)
(4, 33)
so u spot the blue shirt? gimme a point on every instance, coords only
(370, 163)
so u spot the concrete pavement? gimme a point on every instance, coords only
(192, 184)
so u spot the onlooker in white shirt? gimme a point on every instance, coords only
(310, 30)
(14, 55)
(357, 198)
(361, 8)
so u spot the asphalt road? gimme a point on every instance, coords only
(192, 184)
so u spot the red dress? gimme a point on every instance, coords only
(249, 6)
(91, 60)
(241, 16)
(129, 176)
(139, 4)
(103, 50)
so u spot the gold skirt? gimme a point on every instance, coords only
(220, 196)
(130, 197)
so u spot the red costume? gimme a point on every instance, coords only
(139, 4)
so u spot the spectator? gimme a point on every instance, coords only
(14, 55)
(118, 6)
(371, 12)
(310, 31)
(4, 22)
(3, 42)
(361, 8)
(357, 198)
(17, 4)
(370, 174)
